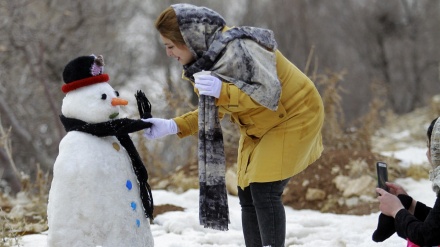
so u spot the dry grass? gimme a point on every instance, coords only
(7, 235)
(335, 134)
(333, 130)
(24, 213)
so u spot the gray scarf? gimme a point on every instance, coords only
(434, 174)
(243, 56)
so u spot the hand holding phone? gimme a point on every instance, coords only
(382, 175)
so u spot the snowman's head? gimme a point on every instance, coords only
(88, 95)
(93, 104)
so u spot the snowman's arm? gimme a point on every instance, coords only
(144, 105)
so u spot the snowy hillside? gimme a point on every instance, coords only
(304, 227)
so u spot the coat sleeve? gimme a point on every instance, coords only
(418, 231)
(187, 123)
(421, 211)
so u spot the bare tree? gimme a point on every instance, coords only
(393, 43)
(37, 39)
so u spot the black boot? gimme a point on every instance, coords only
(385, 225)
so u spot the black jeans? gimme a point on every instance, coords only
(262, 214)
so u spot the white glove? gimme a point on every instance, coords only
(160, 128)
(208, 85)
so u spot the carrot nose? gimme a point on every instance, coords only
(118, 101)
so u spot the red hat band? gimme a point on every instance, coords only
(84, 82)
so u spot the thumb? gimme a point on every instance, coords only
(381, 191)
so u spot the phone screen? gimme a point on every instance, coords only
(382, 175)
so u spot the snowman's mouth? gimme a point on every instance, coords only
(114, 115)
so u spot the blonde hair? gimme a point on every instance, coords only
(167, 25)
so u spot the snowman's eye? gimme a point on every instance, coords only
(104, 96)
(117, 93)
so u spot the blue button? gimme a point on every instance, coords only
(128, 185)
(138, 223)
(133, 205)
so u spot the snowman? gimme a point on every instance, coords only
(99, 194)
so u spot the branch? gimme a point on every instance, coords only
(22, 132)
(5, 142)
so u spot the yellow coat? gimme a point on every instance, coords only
(274, 145)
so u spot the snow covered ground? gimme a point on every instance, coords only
(304, 227)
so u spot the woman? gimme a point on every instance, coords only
(277, 108)
(413, 220)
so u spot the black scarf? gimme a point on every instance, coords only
(121, 128)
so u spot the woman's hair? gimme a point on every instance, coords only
(430, 128)
(168, 26)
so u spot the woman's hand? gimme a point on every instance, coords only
(396, 189)
(208, 85)
(389, 203)
(160, 128)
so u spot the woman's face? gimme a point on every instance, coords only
(181, 53)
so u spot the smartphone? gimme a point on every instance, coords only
(382, 175)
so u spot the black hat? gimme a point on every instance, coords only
(83, 71)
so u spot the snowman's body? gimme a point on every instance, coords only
(94, 197)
